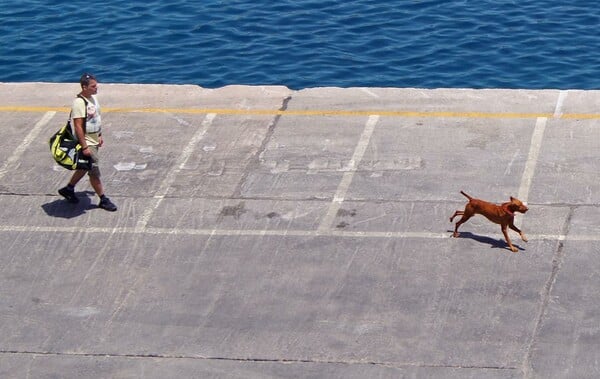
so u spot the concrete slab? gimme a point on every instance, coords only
(568, 336)
(565, 176)
(264, 232)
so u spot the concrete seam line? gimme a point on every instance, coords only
(266, 233)
(170, 177)
(344, 184)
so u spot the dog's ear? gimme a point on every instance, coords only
(512, 199)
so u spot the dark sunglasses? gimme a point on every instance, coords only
(85, 79)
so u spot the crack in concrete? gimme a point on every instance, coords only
(557, 260)
(260, 360)
(262, 147)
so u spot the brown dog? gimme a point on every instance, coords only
(503, 214)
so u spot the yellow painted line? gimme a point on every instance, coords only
(313, 112)
(33, 109)
(324, 112)
(580, 116)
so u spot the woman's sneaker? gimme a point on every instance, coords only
(68, 194)
(106, 204)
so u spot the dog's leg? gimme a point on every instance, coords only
(465, 217)
(510, 245)
(513, 227)
(457, 213)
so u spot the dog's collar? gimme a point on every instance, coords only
(507, 209)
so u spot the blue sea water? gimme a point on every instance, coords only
(305, 43)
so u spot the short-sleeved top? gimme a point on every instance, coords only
(94, 119)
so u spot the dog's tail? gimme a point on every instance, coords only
(467, 196)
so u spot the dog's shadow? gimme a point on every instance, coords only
(494, 243)
(61, 208)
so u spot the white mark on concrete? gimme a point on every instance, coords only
(295, 214)
(510, 164)
(123, 134)
(29, 138)
(319, 164)
(81, 312)
(326, 164)
(344, 185)
(170, 177)
(128, 166)
(124, 166)
(146, 149)
(562, 95)
(180, 121)
(370, 93)
(532, 158)
(278, 167)
(402, 163)
(209, 147)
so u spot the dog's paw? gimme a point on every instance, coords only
(455, 234)
(524, 238)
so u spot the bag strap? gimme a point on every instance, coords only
(71, 129)
(85, 103)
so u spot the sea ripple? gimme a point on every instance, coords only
(305, 43)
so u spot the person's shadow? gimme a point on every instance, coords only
(61, 208)
(494, 243)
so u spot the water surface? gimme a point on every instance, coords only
(305, 43)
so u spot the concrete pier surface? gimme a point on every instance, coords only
(265, 232)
